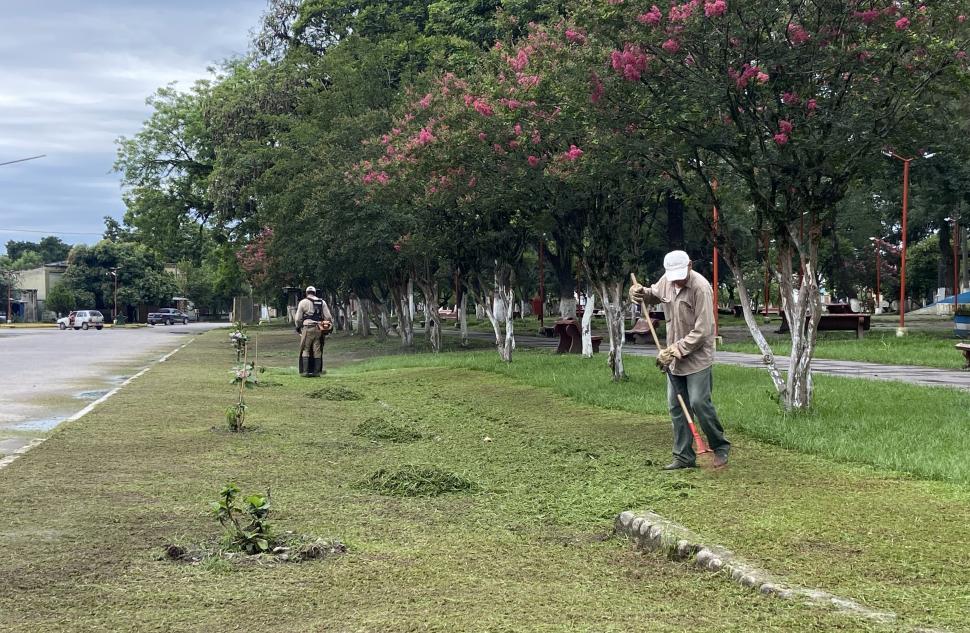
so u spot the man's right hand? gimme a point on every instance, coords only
(637, 293)
(299, 330)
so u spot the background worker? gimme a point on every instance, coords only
(687, 302)
(313, 323)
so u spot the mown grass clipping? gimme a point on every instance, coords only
(416, 480)
(379, 429)
(335, 393)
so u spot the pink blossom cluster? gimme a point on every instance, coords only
(527, 81)
(902, 24)
(868, 16)
(790, 98)
(511, 104)
(631, 62)
(671, 46)
(533, 161)
(785, 126)
(780, 139)
(747, 73)
(797, 34)
(521, 59)
(424, 137)
(482, 107)
(715, 9)
(683, 12)
(380, 177)
(425, 102)
(651, 17)
(811, 105)
(575, 36)
(573, 154)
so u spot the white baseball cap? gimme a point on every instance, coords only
(675, 265)
(310, 289)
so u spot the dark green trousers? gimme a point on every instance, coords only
(696, 390)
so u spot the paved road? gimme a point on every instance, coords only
(48, 375)
(924, 376)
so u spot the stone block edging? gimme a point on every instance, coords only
(654, 533)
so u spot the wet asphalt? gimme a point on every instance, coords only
(47, 375)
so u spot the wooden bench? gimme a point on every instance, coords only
(836, 322)
(965, 348)
(571, 338)
(639, 334)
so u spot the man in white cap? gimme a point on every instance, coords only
(687, 301)
(313, 323)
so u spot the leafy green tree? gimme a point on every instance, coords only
(60, 299)
(788, 102)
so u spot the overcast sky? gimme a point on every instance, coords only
(73, 78)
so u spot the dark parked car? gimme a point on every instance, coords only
(168, 316)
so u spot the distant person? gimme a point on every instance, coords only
(313, 323)
(687, 301)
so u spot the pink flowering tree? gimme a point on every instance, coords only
(784, 103)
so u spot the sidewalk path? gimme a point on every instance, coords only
(924, 376)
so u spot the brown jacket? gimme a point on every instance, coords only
(690, 320)
(305, 309)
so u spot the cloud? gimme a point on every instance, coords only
(82, 75)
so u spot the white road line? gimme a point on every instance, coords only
(9, 459)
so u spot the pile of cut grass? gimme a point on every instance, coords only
(379, 429)
(417, 480)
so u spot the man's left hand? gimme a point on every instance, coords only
(667, 355)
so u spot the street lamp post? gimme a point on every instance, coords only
(955, 239)
(901, 330)
(114, 273)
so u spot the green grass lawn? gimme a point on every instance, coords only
(927, 349)
(86, 514)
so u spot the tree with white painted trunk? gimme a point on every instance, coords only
(785, 104)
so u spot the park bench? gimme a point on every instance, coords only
(640, 332)
(571, 338)
(965, 348)
(850, 322)
(739, 311)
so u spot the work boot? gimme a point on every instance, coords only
(677, 465)
(720, 461)
(302, 365)
(310, 361)
(318, 369)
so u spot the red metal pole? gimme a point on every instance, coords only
(956, 263)
(714, 188)
(767, 278)
(902, 274)
(542, 288)
(878, 299)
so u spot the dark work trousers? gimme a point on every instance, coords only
(696, 391)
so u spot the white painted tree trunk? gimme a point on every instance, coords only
(567, 307)
(802, 307)
(500, 297)
(613, 305)
(432, 320)
(479, 311)
(405, 316)
(587, 326)
(463, 319)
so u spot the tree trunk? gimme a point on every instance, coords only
(751, 320)
(675, 221)
(562, 265)
(463, 318)
(431, 318)
(803, 309)
(613, 305)
(405, 317)
(587, 326)
(498, 308)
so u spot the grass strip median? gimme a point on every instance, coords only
(524, 546)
